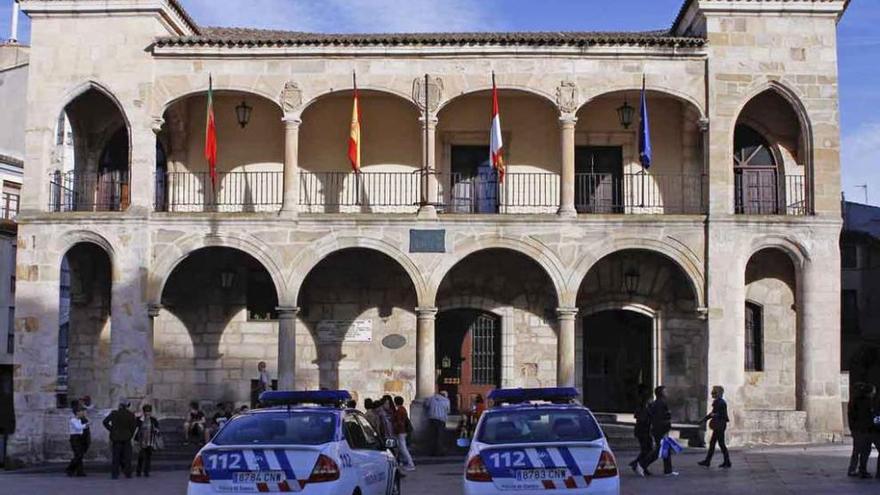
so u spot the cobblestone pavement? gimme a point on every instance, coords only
(794, 470)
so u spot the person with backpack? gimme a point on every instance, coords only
(402, 430)
(718, 420)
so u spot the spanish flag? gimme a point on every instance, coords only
(496, 144)
(211, 136)
(354, 138)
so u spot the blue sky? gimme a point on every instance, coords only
(859, 43)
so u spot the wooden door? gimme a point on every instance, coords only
(481, 363)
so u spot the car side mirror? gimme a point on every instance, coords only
(390, 443)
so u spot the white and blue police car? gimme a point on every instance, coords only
(303, 441)
(535, 440)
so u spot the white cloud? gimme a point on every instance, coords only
(860, 161)
(329, 16)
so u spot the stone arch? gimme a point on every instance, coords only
(685, 259)
(795, 101)
(795, 250)
(167, 259)
(680, 95)
(82, 88)
(547, 97)
(310, 258)
(68, 240)
(532, 249)
(219, 85)
(361, 87)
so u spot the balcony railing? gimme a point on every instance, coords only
(330, 192)
(641, 193)
(88, 191)
(529, 192)
(9, 207)
(766, 193)
(235, 191)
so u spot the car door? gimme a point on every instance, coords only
(366, 456)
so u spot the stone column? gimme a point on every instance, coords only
(567, 123)
(287, 347)
(819, 346)
(565, 347)
(290, 197)
(153, 311)
(425, 359)
(428, 182)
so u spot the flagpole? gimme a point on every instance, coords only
(644, 103)
(357, 170)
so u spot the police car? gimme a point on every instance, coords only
(303, 442)
(535, 440)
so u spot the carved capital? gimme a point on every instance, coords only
(291, 97)
(703, 125)
(567, 120)
(153, 310)
(434, 92)
(157, 124)
(426, 313)
(566, 313)
(567, 97)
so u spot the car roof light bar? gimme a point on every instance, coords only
(334, 398)
(556, 395)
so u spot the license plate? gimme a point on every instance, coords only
(542, 474)
(259, 477)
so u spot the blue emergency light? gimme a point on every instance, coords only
(333, 398)
(556, 395)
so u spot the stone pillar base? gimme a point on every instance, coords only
(427, 212)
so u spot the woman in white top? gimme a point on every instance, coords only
(80, 439)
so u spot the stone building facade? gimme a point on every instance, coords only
(580, 268)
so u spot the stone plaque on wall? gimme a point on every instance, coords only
(345, 331)
(427, 241)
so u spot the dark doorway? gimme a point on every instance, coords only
(599, 179)
(617, 359)
(474, 181)
(468, 353)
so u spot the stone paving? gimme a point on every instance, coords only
(789, 470)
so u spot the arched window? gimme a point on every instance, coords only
(757, 181)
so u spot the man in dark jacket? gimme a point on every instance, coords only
(642, 432)
(661, 424)
(718, 420)
(122, 424)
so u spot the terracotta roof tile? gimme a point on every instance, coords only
(244, 37)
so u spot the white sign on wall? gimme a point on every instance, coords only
(345, 331)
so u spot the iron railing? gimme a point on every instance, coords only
(234, 191)
(641, 193)
(88, 191)
(9, 207)
(365, 191)
(521, 192)
(766, 194)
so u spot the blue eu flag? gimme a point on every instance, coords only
(645, 153)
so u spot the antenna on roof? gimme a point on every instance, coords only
(13, 30)
(865, 187)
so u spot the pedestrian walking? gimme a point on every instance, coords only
(371, 413)
(642, 432)
(384, 412)
(147, 438)
(661, 425)
(875, 430)
(861, 424)
(121, 423)
(437, 411)
(402, 429)
(718, 420)
(80, 439)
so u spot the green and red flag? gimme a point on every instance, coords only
(211, 136)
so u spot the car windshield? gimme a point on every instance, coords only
(279, 428)
(538, 425)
